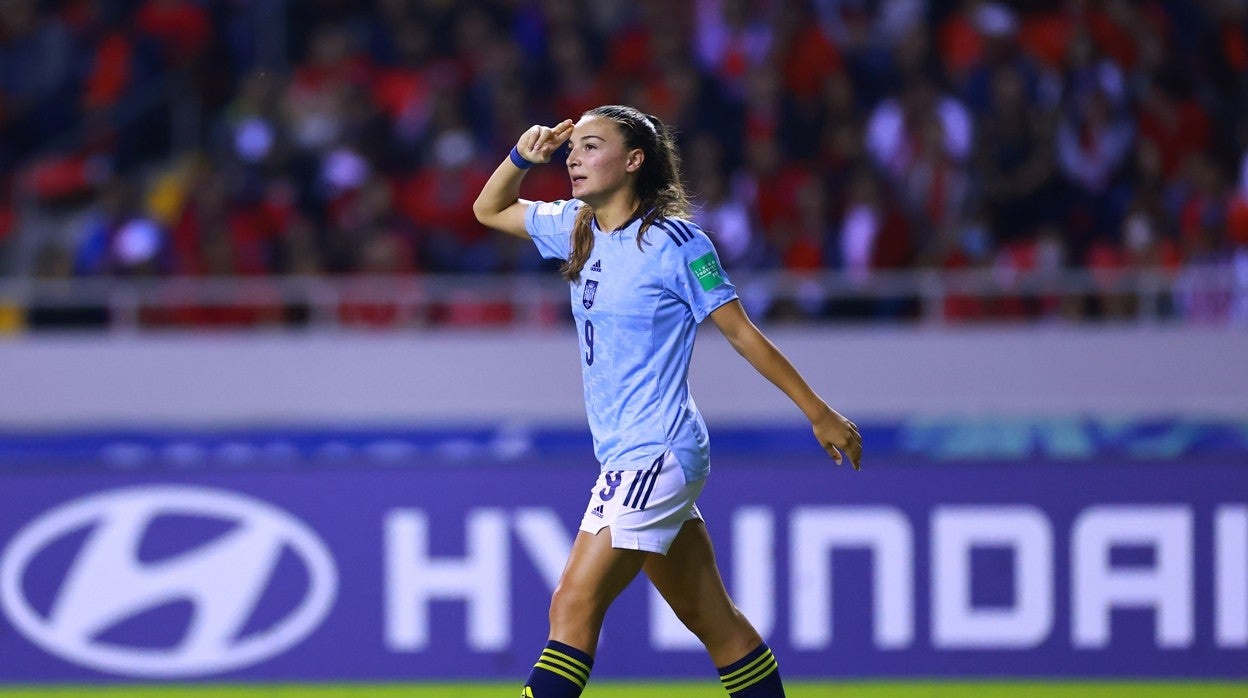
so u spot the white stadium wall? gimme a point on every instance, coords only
(455, 378)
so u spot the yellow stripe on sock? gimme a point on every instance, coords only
(571, 663)
(555, 669)
(744, 682)
(748, 668)
(747, 681)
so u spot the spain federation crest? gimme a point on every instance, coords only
(591, 290)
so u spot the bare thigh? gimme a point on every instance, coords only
(689, 581)
(593, 577)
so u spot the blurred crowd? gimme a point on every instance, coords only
(306, 137)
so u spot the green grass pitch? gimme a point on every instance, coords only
(795, 689)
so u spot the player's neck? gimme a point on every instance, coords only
(616, 212)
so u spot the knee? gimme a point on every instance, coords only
(706, 620)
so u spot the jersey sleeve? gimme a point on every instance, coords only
(693, 274)
(549, 225)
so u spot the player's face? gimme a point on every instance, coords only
(599, 163)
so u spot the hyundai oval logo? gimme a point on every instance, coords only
(106, 583)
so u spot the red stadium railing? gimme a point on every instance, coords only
(1198, 294)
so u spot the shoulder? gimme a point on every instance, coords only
(556, 208)
(679, 234)
(551, 218)
(681, 244)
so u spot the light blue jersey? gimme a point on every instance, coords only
(637, 312)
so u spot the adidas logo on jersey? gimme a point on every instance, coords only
(597, 266)
(597, 511)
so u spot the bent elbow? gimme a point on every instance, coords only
(481, 212)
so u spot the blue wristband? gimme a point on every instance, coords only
(518, 160)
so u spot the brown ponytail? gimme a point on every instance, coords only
(658, 181)
(582, 244)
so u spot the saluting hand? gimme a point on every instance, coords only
(837, 434)
(539, 143)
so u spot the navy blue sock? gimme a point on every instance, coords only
(561, 672)
(756, 675)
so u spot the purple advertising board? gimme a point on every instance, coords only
(1014, 569)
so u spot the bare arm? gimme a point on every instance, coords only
(833, 431)
(499, 205)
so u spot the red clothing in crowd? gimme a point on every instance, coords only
(110, 73)
(441, 200)
(811, 58)
(1179, 129)
(182, 28)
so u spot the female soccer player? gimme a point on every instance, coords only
(642, 277)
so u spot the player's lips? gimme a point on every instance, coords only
(577, 179)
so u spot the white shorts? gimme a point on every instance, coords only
(644, 508)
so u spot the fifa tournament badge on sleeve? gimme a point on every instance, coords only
(706, 268)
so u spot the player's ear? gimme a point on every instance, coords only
(635, 158)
